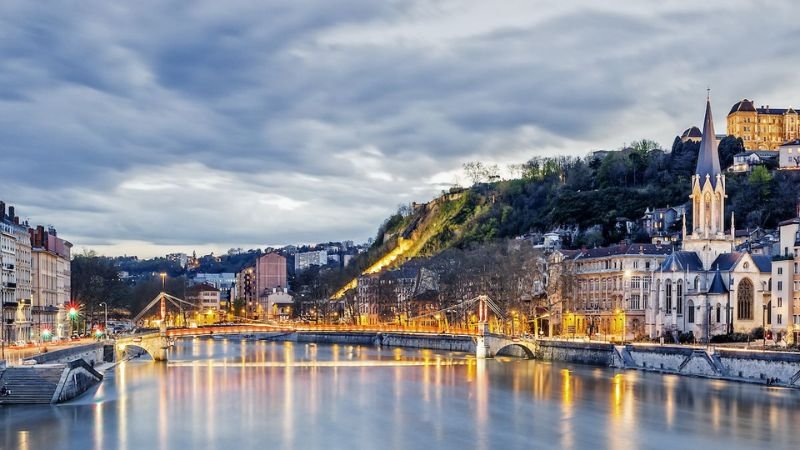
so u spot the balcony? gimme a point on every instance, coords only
(10, 284)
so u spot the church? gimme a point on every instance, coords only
(707, 288)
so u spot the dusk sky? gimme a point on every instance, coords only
(156, 126)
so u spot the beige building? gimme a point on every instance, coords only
(50, 283)
(763, 128)
(15, 278)
(612, 291)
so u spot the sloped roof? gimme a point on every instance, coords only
(692, 132)
(708, 156)
(726, 261)
(762, 154)
(744, 105)
(625, 249)
(763, 262)
(793, 142)
(776, 111)
(718, 286)
(682, 261)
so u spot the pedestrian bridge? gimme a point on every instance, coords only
(486, 345)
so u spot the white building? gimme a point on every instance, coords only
(789, 155)
(707, 288)
(303, 261)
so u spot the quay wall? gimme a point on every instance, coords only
(591, 353)
(773, 368)
(91, 353)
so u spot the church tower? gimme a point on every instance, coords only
(708, 237)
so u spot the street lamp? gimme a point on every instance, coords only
(105, 322)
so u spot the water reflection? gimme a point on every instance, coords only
(238, 394)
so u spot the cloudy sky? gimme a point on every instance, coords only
(149, 126)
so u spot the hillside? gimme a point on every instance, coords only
(588, 195)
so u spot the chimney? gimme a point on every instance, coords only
(2, 210)
(11, 213)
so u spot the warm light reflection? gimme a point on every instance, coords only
(293, 395)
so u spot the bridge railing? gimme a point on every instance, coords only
(374, 328)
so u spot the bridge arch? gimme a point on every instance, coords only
(132, 349)
(515, 349)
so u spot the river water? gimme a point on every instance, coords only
(232, 394)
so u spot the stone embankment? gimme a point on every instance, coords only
(54, 377)
(751, 366)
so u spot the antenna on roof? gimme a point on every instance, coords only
(708, 93)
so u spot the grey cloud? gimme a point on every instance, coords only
(264, 102)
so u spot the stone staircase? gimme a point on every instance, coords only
(31, 384)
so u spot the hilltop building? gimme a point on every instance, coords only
(789, 155)
(303, 261)
(763, 128)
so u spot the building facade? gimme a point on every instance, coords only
(15, 277)
(789, 155)
(611, 291)
(763, 128)
(50, 283)
(303, 261)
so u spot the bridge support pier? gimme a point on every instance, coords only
(163, 343)
(481, 348)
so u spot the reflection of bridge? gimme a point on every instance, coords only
(484, 343)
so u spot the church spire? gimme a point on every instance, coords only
(708, 156)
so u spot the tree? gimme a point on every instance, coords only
(728, 147)
(474, 171)
(95, 280)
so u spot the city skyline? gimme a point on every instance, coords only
(246, 126)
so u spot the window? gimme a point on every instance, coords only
(636, 301)
(744, 300)
(780, 302)
(780, 285)
(690, 311)
(679, 298)
(780, 270)
(719, 313)
(768, 311)
(697, 283)
(668, 296)
(780, 319)
(636, 282)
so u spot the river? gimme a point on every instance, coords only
(232, 394)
